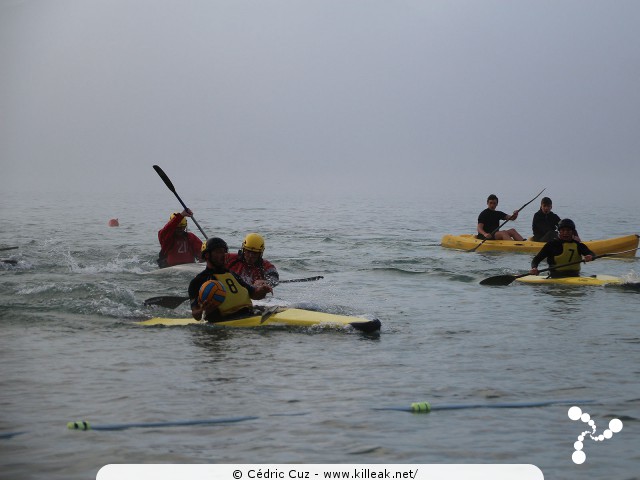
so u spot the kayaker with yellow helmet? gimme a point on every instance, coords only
(177, 245)
(564, 249)
(239, 293)
(249, 264)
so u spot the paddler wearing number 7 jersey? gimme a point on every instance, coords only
(564, 249)
(238, 293)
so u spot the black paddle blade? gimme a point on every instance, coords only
(166, 301)
(164, 178)
(499, 280)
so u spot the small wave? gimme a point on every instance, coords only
(117, 265)
(44, 287)
(631, 277)
(399, 270)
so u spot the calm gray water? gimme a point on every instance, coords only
(69, 350)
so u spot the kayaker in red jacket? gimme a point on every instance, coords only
(248, 263)
(177, 246)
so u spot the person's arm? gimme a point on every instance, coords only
(258, 290)
(481, 231)
(165, 234)
(271, 274)
(541, 255)
(196, 308)
(586, 252)
(537, 225)
(209, 308)
(206, 309)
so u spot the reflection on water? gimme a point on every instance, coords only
(565, 299)
(212, 339)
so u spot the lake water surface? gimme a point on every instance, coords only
(70, 351)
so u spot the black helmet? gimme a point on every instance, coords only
(211, 244)
(566, 223)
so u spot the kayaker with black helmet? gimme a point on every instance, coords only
(249, 264)
(563, 250)
(489, 222)
(177, 245)
(238, 293)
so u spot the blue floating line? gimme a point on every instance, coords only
(8, 435)
(288, 414)
(417, 407)
(426, 407)
(123, 426)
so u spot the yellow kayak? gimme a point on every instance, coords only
(594, 280)
(294, 317)
(469, 242)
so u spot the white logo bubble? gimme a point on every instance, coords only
(578, 457)
(575, 413)
(615, 425)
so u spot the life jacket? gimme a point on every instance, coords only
(569, 254)
(237, 297)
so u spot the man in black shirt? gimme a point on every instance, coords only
(545, 223)
(489, 222)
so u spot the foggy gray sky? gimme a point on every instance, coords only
(405, 96)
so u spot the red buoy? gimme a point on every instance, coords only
(114, 222)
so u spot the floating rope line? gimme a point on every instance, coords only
(426, 407)
(8, 435)
(416, 407)
(82, 425)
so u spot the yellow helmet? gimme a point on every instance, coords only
(183, 222)
(254, 243)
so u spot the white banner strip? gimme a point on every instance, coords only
(320, 472)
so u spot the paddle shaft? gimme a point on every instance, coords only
(297, 280)
(502, 224)
(173, 301)
(169, 185)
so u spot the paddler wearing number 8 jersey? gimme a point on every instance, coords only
(238, 293)
(564, 249)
